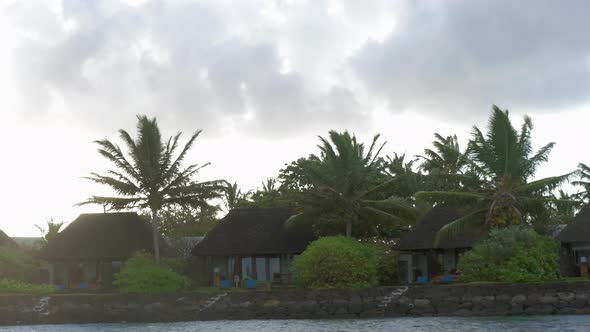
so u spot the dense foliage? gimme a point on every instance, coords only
(51, 230)
(514, 254)
(20, 287)
(142, 275)
(387, 268)
(15, 264)
(503, 163)
(336, 262)
(342, 190)
(178, 222)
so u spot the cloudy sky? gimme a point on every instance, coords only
(264, 78)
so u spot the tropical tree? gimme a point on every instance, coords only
(51, 230)
(504, 161)
(404, 180)
(150, 174)
(177, 222)
(446, 165)
(342, 187)
(445, 158)
(583, 181)
(233, 196)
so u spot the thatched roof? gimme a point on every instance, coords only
(579, 229)
(256, 231)
(6, 241)
(101, 236)
(423, 235)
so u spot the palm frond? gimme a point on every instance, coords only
(456, 227)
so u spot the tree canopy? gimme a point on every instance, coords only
(150, 174)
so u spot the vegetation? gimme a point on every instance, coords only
(342, 188)
(387, 258)
(15, 264)
(503, 164)
(142, 275)
(336, 262)
(9, 286)
(233, 196)
(177, 222)
(150, 176)
(513, 254)
(51, 231)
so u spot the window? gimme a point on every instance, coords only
(275, 266)
(246, 267)
(261, 268)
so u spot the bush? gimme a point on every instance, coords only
(336, 262)
(15, 264)
(141, 275)
(21, 287)
(387, 269)
(514, 254)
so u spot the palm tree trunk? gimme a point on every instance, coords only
(349, 226)
(156, 235)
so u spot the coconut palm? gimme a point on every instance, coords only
(583, 181)
(233, 196)
(150, 176)
(446, 158)
(345, 182)
(505, 163)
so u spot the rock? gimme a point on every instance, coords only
(548, 299)
(566, 296)
(518, 299)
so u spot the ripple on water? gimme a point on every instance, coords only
(511, 324)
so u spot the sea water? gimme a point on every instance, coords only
(516, 324)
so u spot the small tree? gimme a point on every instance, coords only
(51, 231)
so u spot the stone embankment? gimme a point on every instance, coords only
(430, 300)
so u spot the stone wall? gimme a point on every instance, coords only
(430, 300)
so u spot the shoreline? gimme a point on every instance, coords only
(455, 300)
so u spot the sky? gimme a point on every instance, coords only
(263, 79)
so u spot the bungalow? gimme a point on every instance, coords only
(91, 249)
(252, 242)
(575, 243)
(418, 254)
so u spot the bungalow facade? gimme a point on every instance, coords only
(575, 243)
(256, 243)
(91, 249)
(419, 257)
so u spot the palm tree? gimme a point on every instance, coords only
(583, 181)
(150, 176)
(345, 182)
(505, 163)
(233, 196)
(446, 158)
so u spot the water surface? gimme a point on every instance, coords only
(513, 324)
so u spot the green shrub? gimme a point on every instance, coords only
(514, 254)
(21, 287)
(141, 275)
(387, 258)
(387, 269)
(16, 264)
(336, 262)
